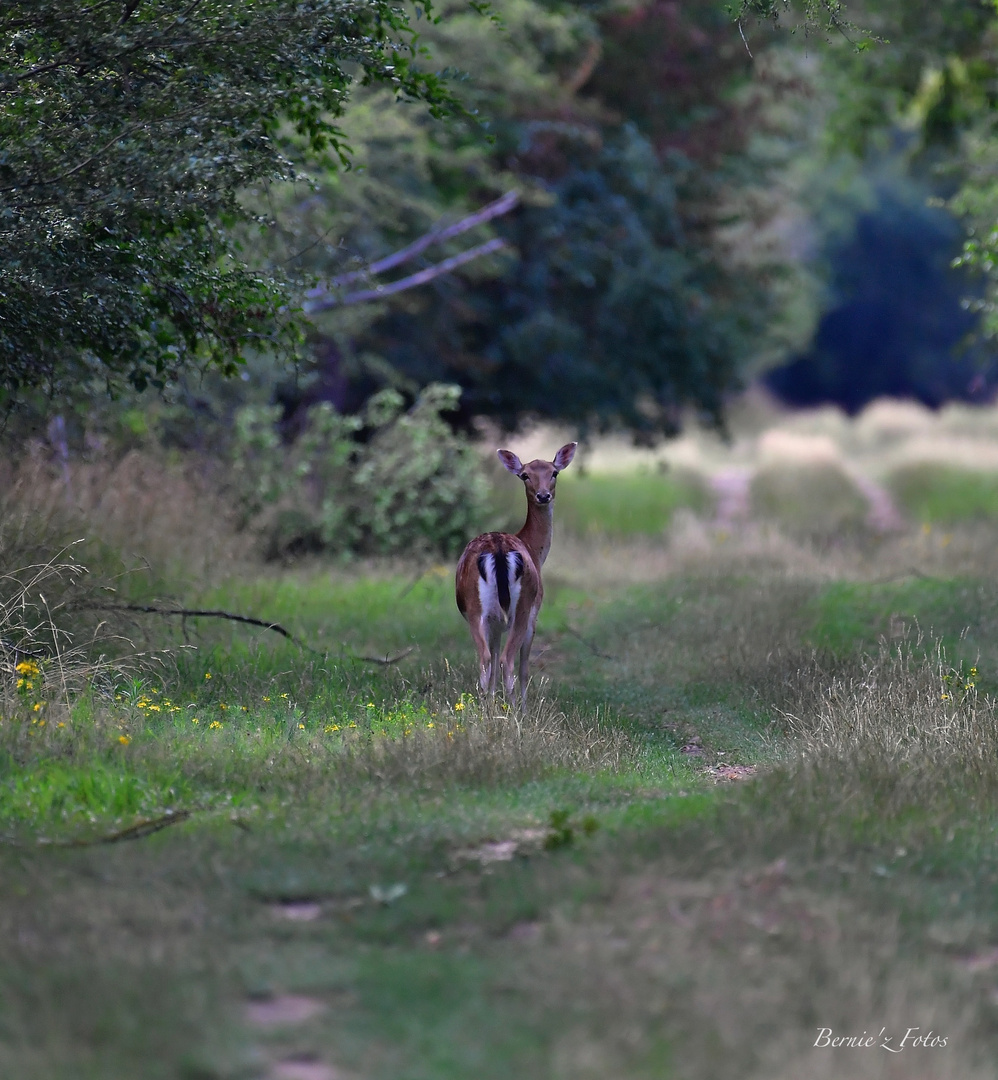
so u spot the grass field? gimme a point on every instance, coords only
(753, 806)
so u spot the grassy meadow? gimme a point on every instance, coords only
(754, 796)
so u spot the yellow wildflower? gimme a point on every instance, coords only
(207, 674)
(214, 725)
(195, 720)
(28, 667)
(124, 739)
(458, 706)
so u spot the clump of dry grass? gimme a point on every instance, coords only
(907, 706)
(904, 738)
(491, 746)
(137, 511)
(816, 500)
(45, 668)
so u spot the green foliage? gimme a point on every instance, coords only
(127, 131)
(413, 485)
(926, 93)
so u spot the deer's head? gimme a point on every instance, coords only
(539, 476)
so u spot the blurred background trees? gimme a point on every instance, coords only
(708, 194)
(614, 302)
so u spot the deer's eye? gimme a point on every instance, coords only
(523, 476)
(554, 474)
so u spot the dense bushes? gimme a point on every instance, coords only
(385, 481)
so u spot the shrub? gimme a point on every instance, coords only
(413, 485)
(815, 501)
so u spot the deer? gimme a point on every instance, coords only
(498, 581)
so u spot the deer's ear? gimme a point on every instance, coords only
(511, 461)
(564, 456)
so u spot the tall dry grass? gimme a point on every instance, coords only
(493, 745)
(906, 729)
(46, 669)
(136, 514)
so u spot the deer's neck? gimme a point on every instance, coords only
(536, 531)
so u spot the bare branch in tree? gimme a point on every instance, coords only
(365, 295)
(320, 299)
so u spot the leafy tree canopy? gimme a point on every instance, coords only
(127, 128)
(615, 302)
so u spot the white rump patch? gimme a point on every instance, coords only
(514, 582)
(488, 593)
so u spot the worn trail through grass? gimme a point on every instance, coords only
(378, 878)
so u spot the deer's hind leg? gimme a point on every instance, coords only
(495, 632)
(483, 646)
(521, 636)
(487, 636)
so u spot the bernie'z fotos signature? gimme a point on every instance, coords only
(911, 1040)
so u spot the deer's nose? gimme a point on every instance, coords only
(543, 496)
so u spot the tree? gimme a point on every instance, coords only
(912, 105)
(898, 319)
(128, 128)
(613, 302)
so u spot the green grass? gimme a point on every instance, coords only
(651, 923)
(640, 504)
(944, 494)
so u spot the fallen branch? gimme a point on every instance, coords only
(588, 644)
(150, 609)
(197, 613)
(18, 650)
(145, 827)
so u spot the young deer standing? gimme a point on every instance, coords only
(499, 576)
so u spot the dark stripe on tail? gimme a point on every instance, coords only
(498, 554)
(518, 563)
